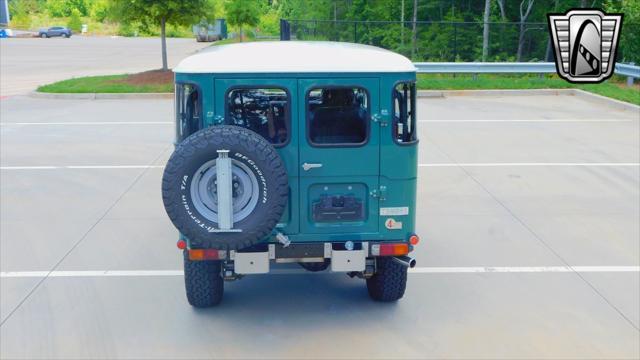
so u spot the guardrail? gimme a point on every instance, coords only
(629, 70)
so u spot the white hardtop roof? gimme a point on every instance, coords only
(294, 57)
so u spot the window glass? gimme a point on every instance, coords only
(338, 115)
(264, 111)
(188, 107)
(404, 122)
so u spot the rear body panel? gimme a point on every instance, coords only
(360, 193)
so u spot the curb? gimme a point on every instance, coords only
(100, 96)
(591, 97)
(616, 104)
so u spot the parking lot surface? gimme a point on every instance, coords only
(528, 210)
(30, 62)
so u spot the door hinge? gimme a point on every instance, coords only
(380, 193)
(377, 118)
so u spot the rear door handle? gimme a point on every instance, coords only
(307, 166)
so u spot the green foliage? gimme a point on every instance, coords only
(64, 8)
(20, 13)
(150, 13)
(99, 10)
(242, 13)
(629, 48)
(270, 23)
(21, 21)
(75, 23)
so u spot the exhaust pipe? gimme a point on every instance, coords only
(405, 261)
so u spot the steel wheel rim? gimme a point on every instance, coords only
(204, 191)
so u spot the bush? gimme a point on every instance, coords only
(75, 23)
(21, 21)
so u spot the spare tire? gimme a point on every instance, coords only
(260, 187)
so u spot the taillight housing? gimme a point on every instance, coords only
(392, 249)
(206, 254)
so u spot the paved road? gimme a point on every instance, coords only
(27, 63)
(532, 184)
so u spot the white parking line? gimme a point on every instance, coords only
(523, 164)
(419, 270)
(80, 167)
(525, 120)
(116, 167)
(89, 123)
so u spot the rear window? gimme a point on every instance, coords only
(262, 110)
(188, 110)
(404, 107)
(338, 116)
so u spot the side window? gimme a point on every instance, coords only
(263, 110)
(337, 116)
(404, 108)
(188, 108)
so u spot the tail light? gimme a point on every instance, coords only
(389, 249)
(206, 254)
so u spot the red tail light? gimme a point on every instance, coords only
(389, 249)
(204, 254)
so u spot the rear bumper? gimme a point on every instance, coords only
(344, 257)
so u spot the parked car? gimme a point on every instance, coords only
(294, 152)
(55, 31)
(6, 33)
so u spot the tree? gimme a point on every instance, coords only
(629, 43)
(502, 13)
(485, 30)
(524, 14)
(414, 30)
(64, 8)
(75, 23)
(159, 12)
(241, 13)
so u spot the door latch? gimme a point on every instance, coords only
(307, 166)
(380, 193)
(377, 118)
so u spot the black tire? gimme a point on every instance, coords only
(203, 282)
(44, 36)
(389, 282)
(316, 266)
(246, 148)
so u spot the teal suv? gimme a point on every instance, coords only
(294, 152)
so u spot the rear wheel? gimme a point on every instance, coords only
(389, 282)
(44, 36)
(203, 282)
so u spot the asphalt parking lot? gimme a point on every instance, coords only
(30, 62)
(529, 211)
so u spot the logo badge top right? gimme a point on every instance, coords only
(585, 43)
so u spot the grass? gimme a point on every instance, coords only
(104, 84)
(614, 88)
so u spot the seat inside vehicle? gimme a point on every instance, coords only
(338, 116)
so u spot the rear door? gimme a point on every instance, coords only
(339, 163)
(267, 107)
